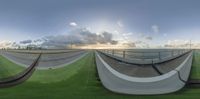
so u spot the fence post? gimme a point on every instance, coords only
(142, 55)
(123, 54)
(159, 56)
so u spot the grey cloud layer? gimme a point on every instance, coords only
(76, 37)
(25, 42)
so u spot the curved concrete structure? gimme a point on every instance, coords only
(49, 59)
(21, 77)
(123, 83)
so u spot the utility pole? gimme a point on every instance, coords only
(190, 44)
(70, 43)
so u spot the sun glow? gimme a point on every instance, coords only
(5, 44)
(103, 46)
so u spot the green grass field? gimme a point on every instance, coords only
(8, 68)
(77, 81)
(195, 73)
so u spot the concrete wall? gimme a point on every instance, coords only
(121, 83)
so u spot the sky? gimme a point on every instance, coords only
(146, 23)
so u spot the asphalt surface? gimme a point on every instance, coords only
(166, 67)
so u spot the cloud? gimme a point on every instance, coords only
(128, 34)
(148, 38)
(155, 28)
(79, 37)
(178, 43)
(141, 44)
(38, 41)
(130, 45)
(145, 36)
(74, 24)
(15, 45)
(5, 44)
(138, 42)
(120, 24)
(26, 42)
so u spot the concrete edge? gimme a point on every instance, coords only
(124, 84)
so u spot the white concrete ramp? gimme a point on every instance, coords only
(119, 82)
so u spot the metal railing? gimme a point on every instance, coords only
(30, 55)
(142, 55)
(44, 51)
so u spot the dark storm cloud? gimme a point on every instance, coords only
(26, 42)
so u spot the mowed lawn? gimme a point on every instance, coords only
(195, 73)
(8, 68)
(77, 81)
